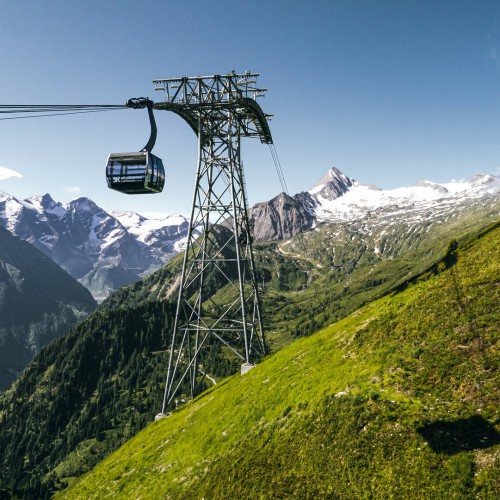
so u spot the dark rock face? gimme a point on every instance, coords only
(282, 217)
(437, 187)
(285, 216)
(39, 302)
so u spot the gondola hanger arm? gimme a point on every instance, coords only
(144, 102)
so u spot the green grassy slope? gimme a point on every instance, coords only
(400, 399)
(85, 395)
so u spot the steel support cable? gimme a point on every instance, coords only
(281, 176)
(16, 108)
(279, 170)
(44, 110)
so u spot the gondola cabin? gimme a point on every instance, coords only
(135, 173)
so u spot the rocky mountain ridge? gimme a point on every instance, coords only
(337, 198)
(107, 250)
(102, 250)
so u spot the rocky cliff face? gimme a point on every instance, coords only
(280, 218)
(38, 303)
(285, 216)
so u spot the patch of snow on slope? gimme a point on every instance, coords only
(36, 203)
(180, 245)
(48, 241)
(141, 227)
(13, 208)
(59, 211)
(94, 243)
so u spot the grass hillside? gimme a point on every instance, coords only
(86, 394)
(398, 400)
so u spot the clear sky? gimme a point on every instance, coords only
(388, 91)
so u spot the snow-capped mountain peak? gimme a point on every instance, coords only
(487, 181)
(47, 204)
(332, 185)
(144, 229)
(359, 198)
(83, 204)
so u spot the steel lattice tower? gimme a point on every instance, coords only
(221, 109)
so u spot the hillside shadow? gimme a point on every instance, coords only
(464, 434)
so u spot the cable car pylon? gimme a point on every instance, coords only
(218, 308)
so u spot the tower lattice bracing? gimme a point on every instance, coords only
(218, 303)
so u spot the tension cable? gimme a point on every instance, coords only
(44, 110)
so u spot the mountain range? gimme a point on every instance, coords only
(347, 227)
(101, 383)
(336, 198)
(103, 250)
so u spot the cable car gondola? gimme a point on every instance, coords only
(141, 172)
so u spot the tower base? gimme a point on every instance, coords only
(161, 416)
(246, 367)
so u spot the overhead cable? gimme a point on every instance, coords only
(43, 110)
(279, 170)
(284, 187)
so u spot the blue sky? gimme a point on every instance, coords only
(388, 91)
